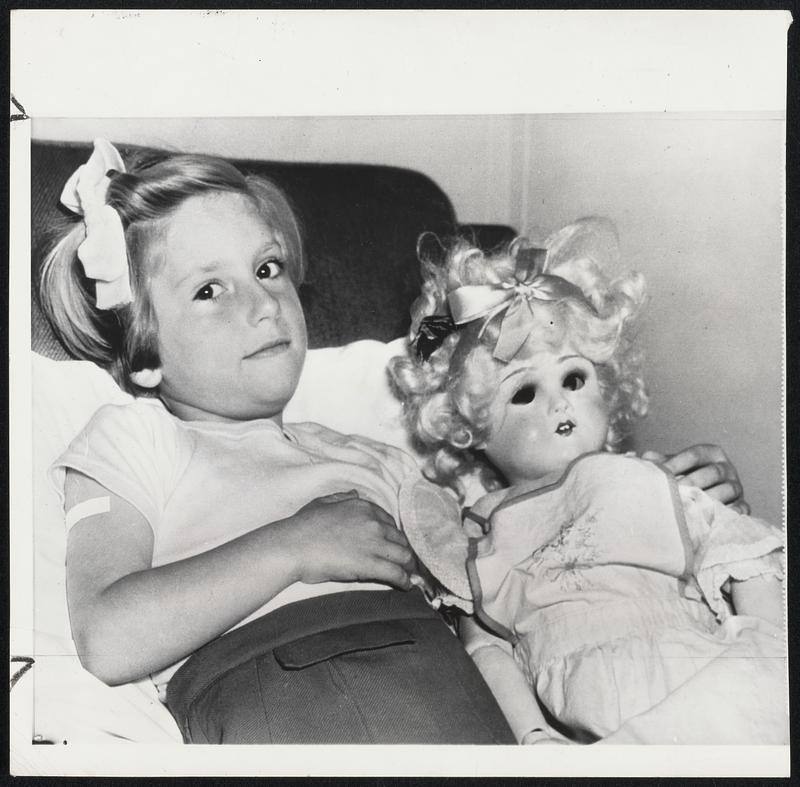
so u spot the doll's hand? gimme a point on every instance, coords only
(341, 537)
(706, 467)
(539, 736)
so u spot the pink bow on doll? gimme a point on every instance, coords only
(103, 254)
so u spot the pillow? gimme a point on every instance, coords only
(347, 389)
(344, 388)
(70, 705)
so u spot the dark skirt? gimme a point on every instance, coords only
(351, 667)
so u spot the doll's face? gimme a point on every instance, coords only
(547, 411)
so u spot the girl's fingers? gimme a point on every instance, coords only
(708, 468)
(411, 564)
(389, 544)
(728, 492)
(396, 553)
(741, 507)
(695, 457)
(654, 456)
(391, 533)
(391, 574)
(710, 476)
(380, 514)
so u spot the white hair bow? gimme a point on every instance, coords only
(103, 254)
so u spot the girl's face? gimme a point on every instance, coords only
(231, 332)
(548, 410)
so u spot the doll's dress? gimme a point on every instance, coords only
(609, 585)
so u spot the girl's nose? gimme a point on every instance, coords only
(262, 304)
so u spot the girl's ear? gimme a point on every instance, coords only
(146, 378)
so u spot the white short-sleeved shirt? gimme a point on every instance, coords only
(200, 484)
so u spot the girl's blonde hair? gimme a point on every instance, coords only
(447, 397)
(156, 184)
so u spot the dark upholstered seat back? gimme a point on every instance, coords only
(360, 226)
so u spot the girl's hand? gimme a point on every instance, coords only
(114, 593)
(708, 468)
(344, 538)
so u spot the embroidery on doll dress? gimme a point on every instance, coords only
(569, 552)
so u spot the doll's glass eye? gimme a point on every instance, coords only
(524, 395)
(574, 381)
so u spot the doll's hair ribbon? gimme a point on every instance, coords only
(475, 301)
(103, 254)
(432, 332)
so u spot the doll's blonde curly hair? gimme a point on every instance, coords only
(446, 397)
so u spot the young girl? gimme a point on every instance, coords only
(598, 582)
(195, 510)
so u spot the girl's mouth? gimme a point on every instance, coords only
(565, 428)
(269, 349)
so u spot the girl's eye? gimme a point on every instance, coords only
(574, 381)
(270, 269)
(208, 292)
(524, 395)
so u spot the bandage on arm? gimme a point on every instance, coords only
(87, 508)
(107, 539)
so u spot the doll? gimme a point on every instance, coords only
(602, 590)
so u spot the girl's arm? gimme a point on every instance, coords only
(493, 657)
(129, 619)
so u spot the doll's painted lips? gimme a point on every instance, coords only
(565, 428)
(268, 349)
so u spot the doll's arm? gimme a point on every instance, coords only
(736, 553)
(493, 657)
(760, 596)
